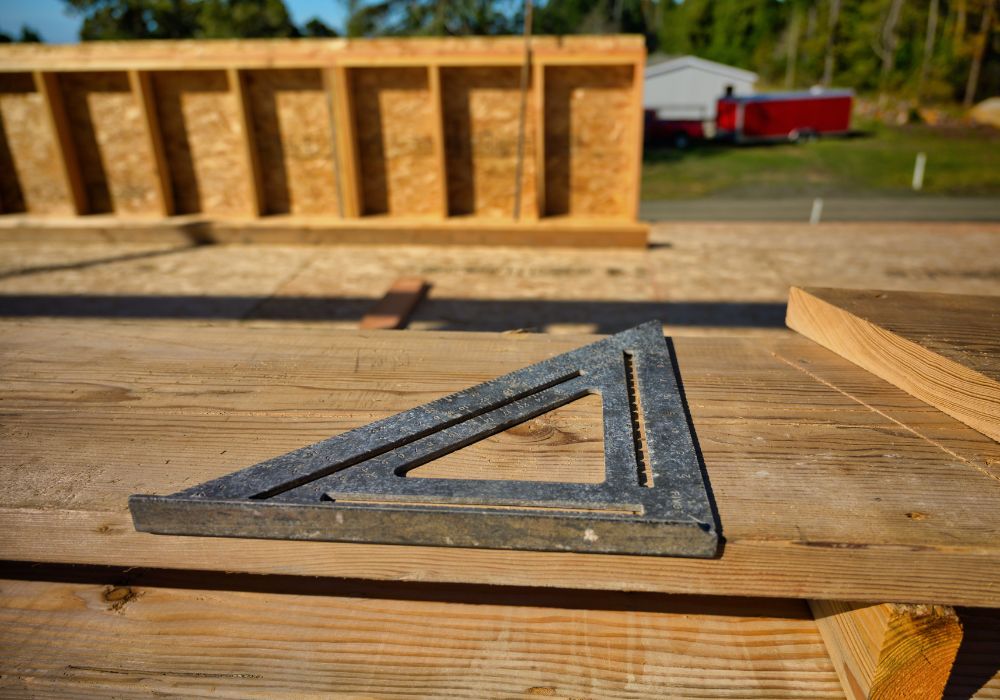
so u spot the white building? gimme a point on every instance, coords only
(687, 87)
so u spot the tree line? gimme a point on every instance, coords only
(930, 50)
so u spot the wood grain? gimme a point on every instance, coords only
(88, 640)
(942, 348)
(890, 651)
(95, 411)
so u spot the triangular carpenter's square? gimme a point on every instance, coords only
(353, 487)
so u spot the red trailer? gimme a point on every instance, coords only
(780, 116)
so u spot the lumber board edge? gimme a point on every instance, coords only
(890, 651)
(282, 230)
(914, 369)
(109, 539)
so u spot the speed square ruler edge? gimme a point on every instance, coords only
(353, 487)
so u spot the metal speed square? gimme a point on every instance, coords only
(354, 488)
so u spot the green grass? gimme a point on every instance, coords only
(879, 162)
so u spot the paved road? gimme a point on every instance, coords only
(834, 209)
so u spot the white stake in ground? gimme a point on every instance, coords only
(918, 171)
(817, 211)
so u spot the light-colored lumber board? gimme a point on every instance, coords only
(47, 85)
(437, 134)
(393, 310)
(829, 483)
(142, 88)
(890, 651)
(592, 233)
(255, 181)
(638, 124)
(942, 348)
(338, 85)
(300, 53)
(90, 640)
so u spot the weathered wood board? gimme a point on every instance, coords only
(362, 132)
(829, 482)
(942, 348)
(163, 640)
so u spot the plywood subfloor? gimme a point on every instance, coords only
(698, 278)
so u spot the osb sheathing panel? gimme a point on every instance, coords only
(203, 141)
(481, 122)
(589, 131)
(394, 122)
(109, 135)
(291, 122)
(30, 175)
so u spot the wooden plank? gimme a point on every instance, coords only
(315, 53)
(255, 183)
(373, 230)
(101, 410)
(437, 134)
(639, 122)
(942, 348)
(91, 640)
(890, 651)
(338, 85)
(142, 88)
(47, 85)
(394, 309)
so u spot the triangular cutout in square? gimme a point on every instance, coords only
(565, 445)
(352, 487)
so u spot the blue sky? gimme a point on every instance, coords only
(50, 19)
